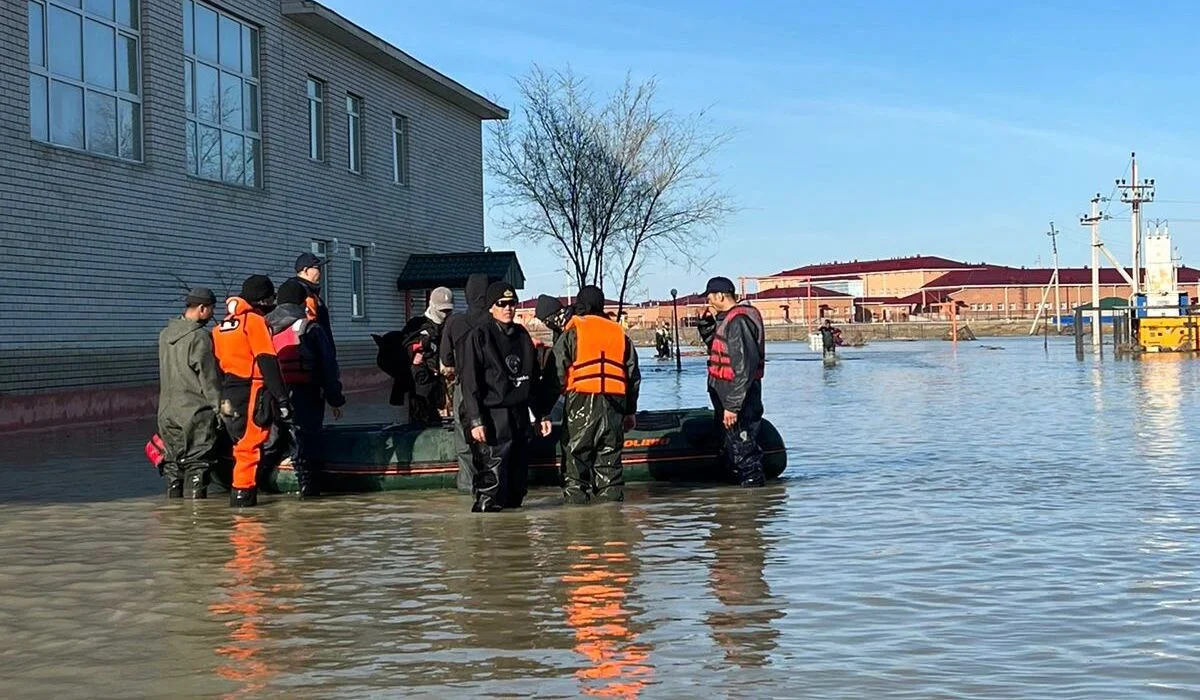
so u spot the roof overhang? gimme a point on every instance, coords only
(343, 32)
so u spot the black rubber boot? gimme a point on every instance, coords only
(306, 481)
(574, 494)
(175, 488)
(196, 487)
(614, 494)
(243, 498)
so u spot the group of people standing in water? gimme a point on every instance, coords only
(268, 371)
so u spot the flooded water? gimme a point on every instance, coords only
(979, 523)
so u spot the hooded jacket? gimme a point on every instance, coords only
(316, 351)
(189, 381)
(459, 325)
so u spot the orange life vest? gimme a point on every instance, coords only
(311, 305)
(292, 364)
(720, 365)
(599, 366)
(240, 339)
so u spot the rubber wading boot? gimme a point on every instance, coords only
(754, 482)
(196, 487)
(614, 494)
(175, 488)
(574, 495)
(243, 498)
(307, 483)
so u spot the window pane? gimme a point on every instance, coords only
(104, 8)
(250, 51)
(188, 32)
(231, 44)
(207, 96)
(129, 130)
(127, 64)
(38, 126)
(99, 52)
(66, 114)
(314, 89)
(231, 101)
(66, 44)
(206, 33)
(189, 90)
(127, 13)
(210, 153)
(253, 156)
(101, 123)
(235, 158)
(191, 148)
(250, 105)
(316, 146)
(37, 35)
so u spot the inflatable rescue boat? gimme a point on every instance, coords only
(672, 446)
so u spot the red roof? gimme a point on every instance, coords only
(796, 293)
(857, 267)
(532, 303)
(1000, 276)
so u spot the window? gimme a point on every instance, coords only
(84, 77)
(354, 133)
(220, 82)
(399, 149)
(987, 307)
(316, 120)
(321, 250)
(358, 285)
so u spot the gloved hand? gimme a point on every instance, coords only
(284, 411)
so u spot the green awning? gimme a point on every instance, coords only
(426, 271)
(1106, 304)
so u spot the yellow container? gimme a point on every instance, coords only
(1169, 334)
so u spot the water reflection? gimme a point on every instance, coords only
(245, 608)
(601, 569)
(1161, 422)
(743, 629)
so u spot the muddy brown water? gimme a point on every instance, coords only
(955, 524)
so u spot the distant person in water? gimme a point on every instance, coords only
(830, 338)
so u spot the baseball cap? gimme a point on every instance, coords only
(307, 260)
(201, 296)
(720, 285)
(441, 299)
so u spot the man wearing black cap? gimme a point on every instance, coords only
(597, 366)
(189, 397)
(736, 340)
(254, 396)
(309, 271)
(498, 378)
(311, 373)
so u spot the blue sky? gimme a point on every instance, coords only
(866, 129)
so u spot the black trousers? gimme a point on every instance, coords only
(500, 466)
(743, 455)
(307, 425)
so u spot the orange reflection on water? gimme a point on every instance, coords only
(596, 593)
(246, 604)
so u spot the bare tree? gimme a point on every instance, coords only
(610, 186)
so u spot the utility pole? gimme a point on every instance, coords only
(1053, 234)
(1134, 193)
(1093, 221)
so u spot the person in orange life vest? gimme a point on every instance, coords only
(311, 373)
(309, 271)
(253, 395)
(597, 367)
(499, 379)
(736, 341)
(189, 397)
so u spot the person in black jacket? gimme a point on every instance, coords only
(458, 326)
(309, 271)
(427, 397)
(499, 385)
(310, 369)
(736, 340)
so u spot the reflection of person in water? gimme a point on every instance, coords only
(245, 608)
(598, 549)
(744, 629)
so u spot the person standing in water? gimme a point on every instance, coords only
(457, 328)
(829, 339)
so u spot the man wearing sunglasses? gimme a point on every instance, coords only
(499, 376)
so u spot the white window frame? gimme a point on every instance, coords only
(354, 149)
(41, 70)
(358, 281)
(400, 139)
(248, 77)
(321, 249)
(315, 89)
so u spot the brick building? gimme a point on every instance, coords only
(148, 146)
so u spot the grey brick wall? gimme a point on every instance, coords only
(93, 248)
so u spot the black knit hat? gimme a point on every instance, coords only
(498, 291)
(546, 307)
(257, 288)
(291, 292)
(590, 301)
